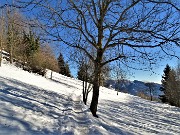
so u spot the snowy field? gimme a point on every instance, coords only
(33, 105)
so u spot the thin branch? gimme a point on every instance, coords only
(165, 2)
(114, 59)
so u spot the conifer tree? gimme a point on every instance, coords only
(63, 67)
(164, 80)
(61, 64)
(67, 70)
(163, 88)
(32, 43)
(170, 87)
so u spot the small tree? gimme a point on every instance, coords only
(10, 34)
(48, 58)
(119, 76)
(177, 95)
(85, 75)
(81, 72)
(32, 44)
(1, 35)
(164, 80)
(61, 64)
(151, 89)
(172, 88)
(67, 70)
(63, 67)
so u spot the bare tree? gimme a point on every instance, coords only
(13, 27)
(177, 94)
(85, 74)
(119, 75)
(151, 87)
(2, 32)
(134, 26)
(10, 33)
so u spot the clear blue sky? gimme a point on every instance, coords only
(138, 75)
(158, 72)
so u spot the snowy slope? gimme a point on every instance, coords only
(34, 105)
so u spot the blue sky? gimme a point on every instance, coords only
(158, 72)
(136, 74)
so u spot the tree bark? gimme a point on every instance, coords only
(84, 93)
(2, 32)
(0, 52)
(96, 82)
(95, 96)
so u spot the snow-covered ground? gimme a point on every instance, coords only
(33, 105)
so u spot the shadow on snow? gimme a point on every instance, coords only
(15, 94)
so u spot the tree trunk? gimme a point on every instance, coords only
(85, 88)
(1, 50)
(95, 96)
(151, 94)
(84, 93)
(2, 30)
(51, 74)
(0, 55)
(96, 83)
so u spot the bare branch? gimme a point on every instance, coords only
(114, 59)
(165, 2)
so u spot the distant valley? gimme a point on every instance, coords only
(134, 87)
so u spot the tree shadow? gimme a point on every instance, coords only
(139, 116)
(57, 80)
(17, 96)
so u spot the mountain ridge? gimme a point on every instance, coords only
(134, 87)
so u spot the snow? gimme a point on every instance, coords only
(34, 105)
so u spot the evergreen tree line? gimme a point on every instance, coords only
(24, 46)
(171, 86)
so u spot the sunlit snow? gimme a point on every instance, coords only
(34, 105)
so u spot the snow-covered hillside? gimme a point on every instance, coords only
(33, 105)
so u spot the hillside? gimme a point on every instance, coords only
(33, 105)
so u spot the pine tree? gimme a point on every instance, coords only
(171, 88)
(61, 64)
(67, 70)
(32, 43)
(164, 80)
(63, 67)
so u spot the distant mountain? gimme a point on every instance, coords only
(133, 87)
